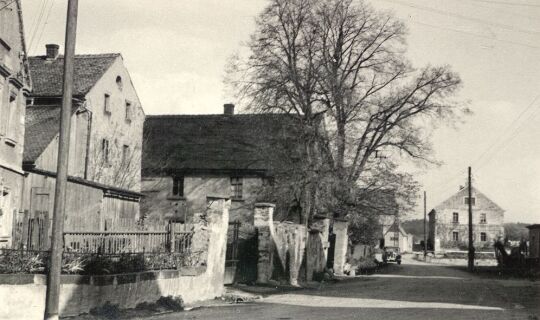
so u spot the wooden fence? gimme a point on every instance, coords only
(110, 242)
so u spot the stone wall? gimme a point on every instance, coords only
(159, 203)
(340, 229)
(23, 296)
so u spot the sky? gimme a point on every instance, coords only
(176, 52)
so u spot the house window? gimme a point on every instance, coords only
(4, 112)
(119, 83)
(483, 218)
(483, 236)
(107, 103)
(268, 181)
(178, 186)
(236, 188)
(128, 111)
(466, 200)
(125, 154)
(105, 151)
(455, 217)
(455, 236)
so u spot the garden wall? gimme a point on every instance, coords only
(23, 295)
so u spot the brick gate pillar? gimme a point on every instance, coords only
(264, 222)
(342, 240)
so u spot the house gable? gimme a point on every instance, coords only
(458, 202)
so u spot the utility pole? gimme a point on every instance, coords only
(55, 266)
(425, 213)
(471, 244)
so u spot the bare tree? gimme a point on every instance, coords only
(114, 163)
(338, 66)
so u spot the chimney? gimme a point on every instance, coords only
(228, 109)
(52, 51)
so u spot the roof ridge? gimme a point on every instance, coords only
(83, 55)
(211, 115)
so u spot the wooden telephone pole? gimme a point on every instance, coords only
(425, 213)
(55, 266)
(471, 244)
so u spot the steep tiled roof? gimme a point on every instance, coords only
(42, 124)
(217, 142)
(47, 74)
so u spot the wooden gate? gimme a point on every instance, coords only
(242, 253)
(32, 228)
(32, 231)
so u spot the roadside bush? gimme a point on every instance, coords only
(18, 261)
(171, 303)
(21, 261)
(107, 311)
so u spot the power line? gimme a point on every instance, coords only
(35, 26)
(503, 11)
(476, 35)
(45, 24)
(7, 4)
(456, 15)
(499, 141)
(512, 136)
(509, 3)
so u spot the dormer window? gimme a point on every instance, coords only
(119, 83)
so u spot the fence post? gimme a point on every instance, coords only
(24, 235)
(15, 232)
(171, 237)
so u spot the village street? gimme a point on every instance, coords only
(411, 291)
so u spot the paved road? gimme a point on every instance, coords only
(412, 290)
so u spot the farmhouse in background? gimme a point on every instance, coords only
(449, 221)
(105, 148)
(189, 157)
(14, 87)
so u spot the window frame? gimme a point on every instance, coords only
(483, 236)
(455, 217)
(125, 153)
(483, 218)
(128, 105)
(466, 202)
(105, 144)
(107, 103)
(178, 186)
(455, 236)
(237, 188)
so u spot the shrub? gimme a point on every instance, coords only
(18, 261)
(171, 303)
(107, 311)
